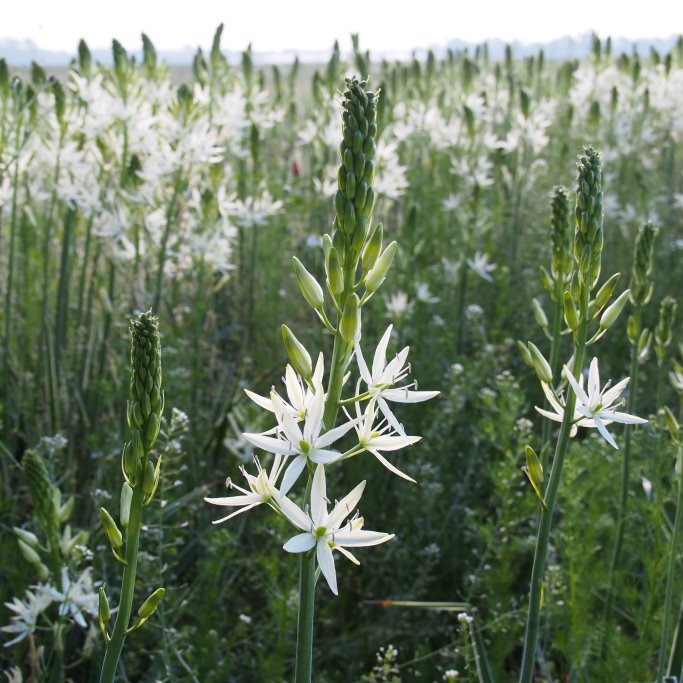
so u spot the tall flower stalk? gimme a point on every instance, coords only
(355, 264)
(640, 339)
(141, 478)
(591, 408)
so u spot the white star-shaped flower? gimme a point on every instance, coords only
(384, 376)
(597, 408)
(326, 531)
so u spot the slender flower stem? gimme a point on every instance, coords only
(115, 645)
(546, 515)
(625, 476)
(671, 572)
(555, 337)
(304, 628)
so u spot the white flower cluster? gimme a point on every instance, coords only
(297, 446)
(76, 598)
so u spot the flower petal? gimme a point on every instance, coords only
(293, 512)
(345, 507)
(406, 396)
(319, 497)
(300, 543)
(326, 563)
(380, 359)
(292, 474)
(390, 467)
(603, 430)
(271, 444)
(360, 538)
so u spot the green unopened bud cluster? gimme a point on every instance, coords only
(665, 324)
(355, 196)
(146, 398)
(560, 235)
(643, 254)
(589, 237)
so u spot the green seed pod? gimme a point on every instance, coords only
(126, 498)
(350, 327)
(298, 356)
(148, 479)
(308, 285)
(150, 605)
(110, 528)
(379, 271)
(373, 248)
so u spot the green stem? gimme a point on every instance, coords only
(546, 515)
(304, 627)
(671, 571)
(558, 316)
(170, 213)
(625, 476)
(115, 645)
(675, 667)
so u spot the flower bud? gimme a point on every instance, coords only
(149, 606)
(379, 271)
(28, 537)
(103, 610)
(526, 354)
(29, 553)
(335, 274)
(665, 324)
(605, 292)
(126, 498)
(571, 315)
(110, 528)
(372, 248)
(541, 365)
(539, 314)
(547, 281)
(309, 286)
(64, 511)
(612, 312)
(672, 424)
(148, 479)
(350, 327)
(534, 471)
(298, 356)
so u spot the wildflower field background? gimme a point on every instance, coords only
(124, 190)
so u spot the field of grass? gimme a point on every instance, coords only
(475, 211)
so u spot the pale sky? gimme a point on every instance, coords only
(314, 24)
